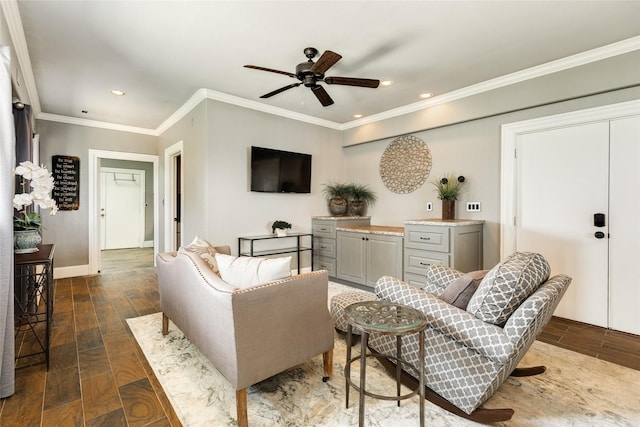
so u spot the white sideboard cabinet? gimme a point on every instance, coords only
(364, 254)
(324, 239)
(454, 243)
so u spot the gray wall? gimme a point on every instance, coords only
(218, 205)
(472, 146)
(69, 230)
(147, 167)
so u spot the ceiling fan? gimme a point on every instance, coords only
(311, 73)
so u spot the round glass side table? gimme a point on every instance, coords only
(385, 318)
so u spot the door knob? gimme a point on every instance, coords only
(599, 235)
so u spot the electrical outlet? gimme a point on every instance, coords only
(429, 206)
(473, 206)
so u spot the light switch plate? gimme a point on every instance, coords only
(473, 206)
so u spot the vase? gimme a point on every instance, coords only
(356, 208)
(338, 206)
(26, 241)
(448, 209)
(281, 232)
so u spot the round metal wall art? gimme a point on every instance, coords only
(405, 164)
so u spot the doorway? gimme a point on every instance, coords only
(122, 208)
(95, 158)
(173, 206)
(566, 182)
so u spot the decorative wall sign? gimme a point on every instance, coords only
(66, 177)
(405, 164)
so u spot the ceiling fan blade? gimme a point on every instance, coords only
(350, 81)
(282, 89)
(255, 67)
(326, 61)
(322, 96)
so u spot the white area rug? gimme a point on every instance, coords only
(576, 390)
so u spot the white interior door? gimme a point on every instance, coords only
(624, 249)
(562, 181)
(122, 208)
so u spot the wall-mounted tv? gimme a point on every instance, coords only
(276, 171)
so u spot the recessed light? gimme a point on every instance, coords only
(357, 116)
(117, 92)
(386, 83)
(426, 95)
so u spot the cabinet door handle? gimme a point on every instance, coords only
(423, 263)
(425, 238)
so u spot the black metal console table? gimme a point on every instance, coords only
(33, 305)
(246, 246)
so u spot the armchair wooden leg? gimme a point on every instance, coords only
(165, 324)
(527, 372)
(241, 407)
(327, 360)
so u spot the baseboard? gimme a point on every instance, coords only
(147, 244)
(71, 271)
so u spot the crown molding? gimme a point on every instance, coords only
(16, 31)
(583, 58)
(254, 105)
(95, 123)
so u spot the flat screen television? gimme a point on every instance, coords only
(276, 171)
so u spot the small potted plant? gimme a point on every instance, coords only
(360, 197)
(337, 194)
(280, 228)
(448, 188)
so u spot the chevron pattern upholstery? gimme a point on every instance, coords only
(467, 358)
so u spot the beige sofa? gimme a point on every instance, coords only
(249, 334)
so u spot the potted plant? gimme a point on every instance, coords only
(448, 188)
(337, 194)
(280, 227)
(360, 197)
(27, 222)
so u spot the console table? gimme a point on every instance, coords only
(33, 304)
(246, 246)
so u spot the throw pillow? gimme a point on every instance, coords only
(247, 271)
(507, 285)
(460, 290)
(204, 250)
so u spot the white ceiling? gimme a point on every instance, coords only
(162, 52)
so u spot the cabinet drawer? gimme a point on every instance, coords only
(417, 262)
(426, 238)
(324, 229)
(323, 263)
(324, 247)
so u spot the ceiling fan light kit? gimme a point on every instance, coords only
(310, 73)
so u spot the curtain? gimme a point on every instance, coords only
(7, 163)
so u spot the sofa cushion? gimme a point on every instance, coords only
(204, 250)
(460, 291)
(249, 271)
(507, 285)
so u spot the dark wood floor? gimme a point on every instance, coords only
(99, 376)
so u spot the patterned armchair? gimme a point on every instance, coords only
(470, 352)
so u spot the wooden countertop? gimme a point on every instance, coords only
(375, 229)
(439, 221)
